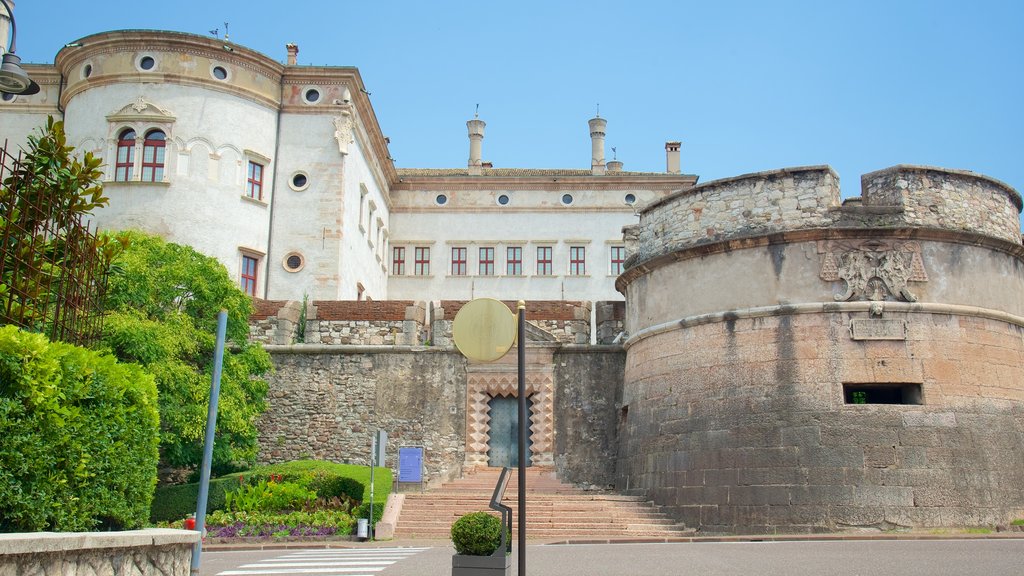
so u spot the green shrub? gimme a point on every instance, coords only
(176, 502)
(78, 437)
(329, 479)
(269, 497)
(476, 534)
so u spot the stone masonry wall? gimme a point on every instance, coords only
(760, 203)
(130, 553)
(327, 401)
(567, 322)
(741, 425)
(611, 322)
(368, 323)
(946, 199)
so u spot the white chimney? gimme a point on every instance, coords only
(672, 157)
(597, 128)
(476, 138)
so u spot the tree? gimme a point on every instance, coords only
(162, 304)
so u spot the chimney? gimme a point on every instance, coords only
(476, 138)
(597, 126)
(615, 166)
(293, 53)
(672, 157)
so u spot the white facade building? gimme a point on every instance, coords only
(282, 173)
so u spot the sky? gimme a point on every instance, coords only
(746, 86)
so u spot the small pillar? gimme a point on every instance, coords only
(672, 157)
(476, 138)
(597, 128)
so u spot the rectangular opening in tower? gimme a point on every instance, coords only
(882, 393)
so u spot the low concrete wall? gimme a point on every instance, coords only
(156, 552)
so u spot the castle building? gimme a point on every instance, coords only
(783, 360)
(281, 172)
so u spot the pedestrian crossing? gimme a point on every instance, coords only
(327, 562)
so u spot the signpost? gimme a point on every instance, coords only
(380, 442)
(484, 330)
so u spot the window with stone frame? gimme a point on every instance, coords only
(254, 181)
(124, 165)
(398, 261)
(154, 148)
(514, 261)
(544, 260)
(458, 261)
(486, 263)
(617, 259)
(421, 261)
(139, 159)
(577, 260)
(249, 274)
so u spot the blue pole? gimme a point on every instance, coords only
(211, 427)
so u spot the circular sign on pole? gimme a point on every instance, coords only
(484, 329)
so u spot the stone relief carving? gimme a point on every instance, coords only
(873, 270)
(141, 109)
(343, 127)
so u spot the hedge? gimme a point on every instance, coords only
(328, 479)
(78, 437)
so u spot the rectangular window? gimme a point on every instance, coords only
(458, 261)
(544, 260)
(421, 266)
(125, 158)
(254, 181)
(882, 393)
(578, 261)
(398, 261)
(248, 276)
(153, 148)
(514, 261)
(487, 261)
(618, 255)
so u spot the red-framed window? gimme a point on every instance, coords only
(544, 260)
(421, 261)
(249, 271)
(254, 181)
(125, 164)
(577, 260)
(618, 257)
(486, 261)
(514, 261)
(153, 148)
(458, 261)
(398, 260)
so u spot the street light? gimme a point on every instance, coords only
(14, 80)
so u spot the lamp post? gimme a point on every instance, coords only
(14, 80)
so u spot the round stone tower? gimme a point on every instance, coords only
(801, 364)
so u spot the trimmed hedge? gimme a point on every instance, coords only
(78, 437)
(327, 479)
(476, 534)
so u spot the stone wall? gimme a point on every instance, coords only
(327, 401)
(610, 318)
(274, 321)
(131, 553)
(366, 323)
(742, 424)
(567, 322)
(588, 394)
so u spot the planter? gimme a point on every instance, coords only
(500, 565)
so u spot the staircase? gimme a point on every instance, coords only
(553, 510)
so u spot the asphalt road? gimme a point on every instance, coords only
(990, 557)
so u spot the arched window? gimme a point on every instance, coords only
(125, 156)
(153, 156)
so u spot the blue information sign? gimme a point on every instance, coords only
(410, 464)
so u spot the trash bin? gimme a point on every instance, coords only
(363, 528)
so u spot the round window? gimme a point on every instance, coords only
(299, 181)
(8, 97)
(312, 95)
(147, 62)
(441, 199)
(220, 73)
(294, 262)
(86, 70)
(630, 198)
(566, 199)
(503, 199)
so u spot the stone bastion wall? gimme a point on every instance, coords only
(797, 363)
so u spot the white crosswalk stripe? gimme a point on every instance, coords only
(328, 562)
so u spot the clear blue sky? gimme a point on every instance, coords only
(747, 86)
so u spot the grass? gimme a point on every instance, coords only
(1019, 522)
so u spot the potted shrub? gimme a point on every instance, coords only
(481, 546)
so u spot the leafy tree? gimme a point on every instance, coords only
(162, 304)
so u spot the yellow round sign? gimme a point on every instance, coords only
(484, 329)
